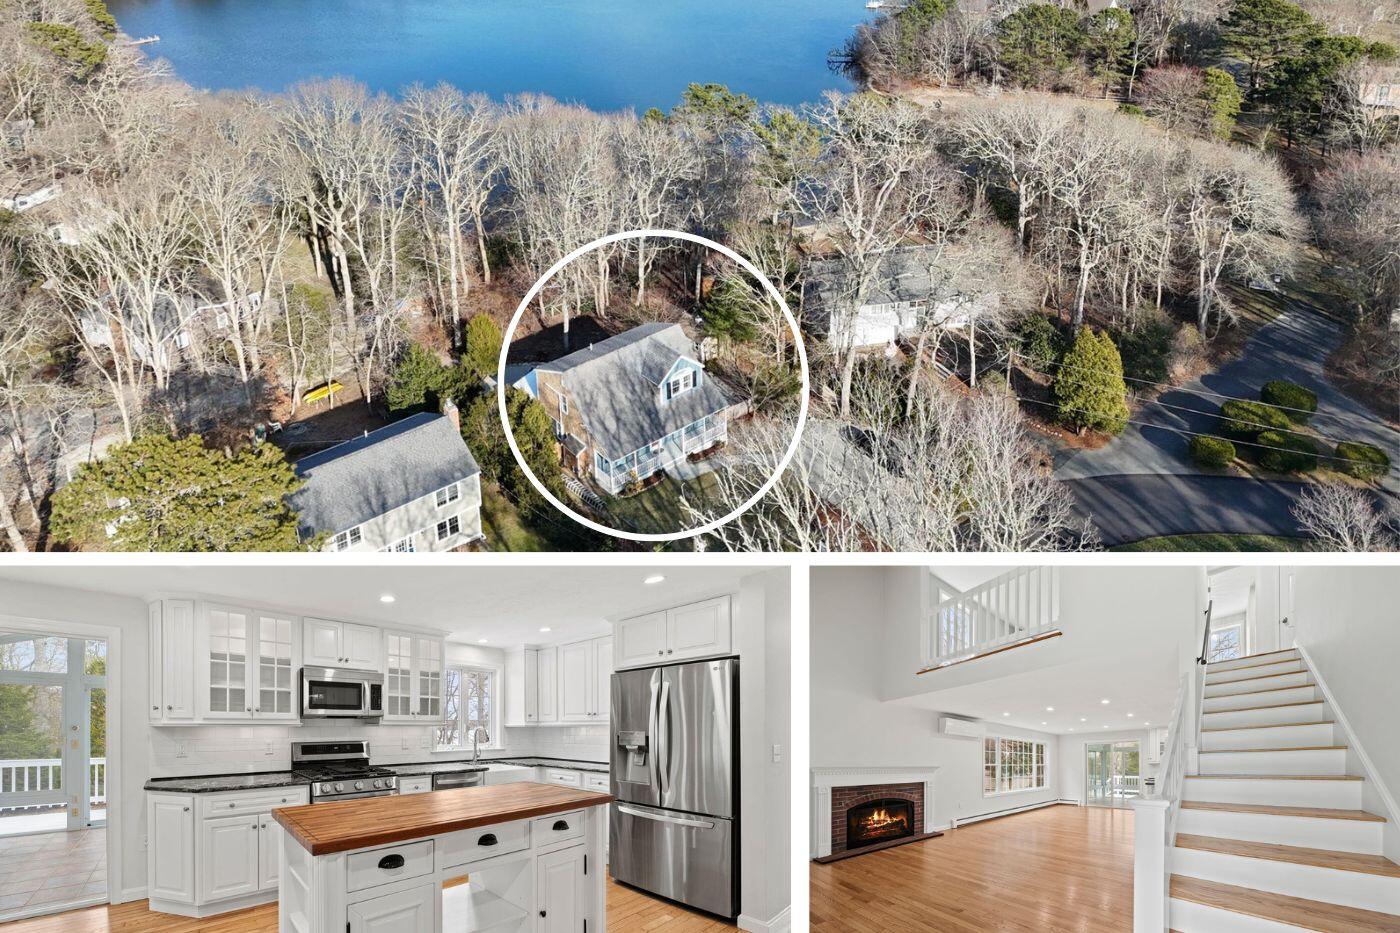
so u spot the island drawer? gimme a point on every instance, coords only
(392, 863)
(560, 776)
(549, 830)
(593, 781)
(237, 804)
(471, 845)
(417, 784)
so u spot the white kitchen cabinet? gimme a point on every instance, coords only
(228, 857)
(600, 783)
(521, 687)
(561, 895)
(172, 661)
(1156, 744)
(602, 678)
(576, 683)
(393, 913)
(269, 852)
(695, 630)
(415, 784)
(251, 659)
(170, 848)
(412, 677)
(547, 703)
(341, 644)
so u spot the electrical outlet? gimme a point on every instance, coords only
(777, 753)
(268, 750)
(182, 750)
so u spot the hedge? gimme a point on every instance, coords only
(1286, 453)
(1297, 402)
(1364, 461)
(1247, 419)
(1213, 452)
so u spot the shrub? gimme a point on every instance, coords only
(1213, 452)
(1286, 453)
(1147, 349)
(1298, 403)
(1364, 461)
(1131, 110)
(68, 44)
(1041, 343)
(1089, 390)
(1248, 419)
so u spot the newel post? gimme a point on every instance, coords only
(1150, 864)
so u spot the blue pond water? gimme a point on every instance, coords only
(607, 54)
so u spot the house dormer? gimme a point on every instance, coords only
(684, 375)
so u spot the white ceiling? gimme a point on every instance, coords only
(1229, 590)
(965, 577)
(507, 606)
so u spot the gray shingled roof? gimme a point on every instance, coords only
(903, 276)
(615, 385)
(360, 479)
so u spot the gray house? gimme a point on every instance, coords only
(410, 486)
(631, 405)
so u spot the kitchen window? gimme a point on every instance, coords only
(448, 527)
(448, 494)
(470, 703)
(1012, 765)
(346, 539)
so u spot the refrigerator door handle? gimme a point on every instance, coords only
(653, 712)
(664, 818)
(665, 750)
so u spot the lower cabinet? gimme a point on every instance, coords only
(170, 844)
(228, 857)
(561, 895)
(394, 913)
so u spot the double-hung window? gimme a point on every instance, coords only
(1011, 765)
(470, 694)
(448, 527)
(346, 539)
(448, 494)
(680, 384)
(403, 546)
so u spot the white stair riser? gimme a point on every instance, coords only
(1330, 761)
(1263, 670)
(1188, 917)
(1349, 888)
(1217, 667)
(1298, 679)
(1273, 696)
(1281, 736)
(1314, 833)
(1333, 795)
(1294, 709)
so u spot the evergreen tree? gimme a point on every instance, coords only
(482, 352)
(160, 493)
(1299, 86)
(1263, 32)
(1108, 46)
(417, 381)
(1089, 388)
(1038, 43)
(1221, 98)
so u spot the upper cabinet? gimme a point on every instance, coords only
(341, 644)
(412, 677)
(585, 673)
(561, 683)
(172, 661)
(251, 658)
(696, 630)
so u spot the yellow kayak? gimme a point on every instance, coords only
(320, 393)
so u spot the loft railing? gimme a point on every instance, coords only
(1020, 606)
(38, 775)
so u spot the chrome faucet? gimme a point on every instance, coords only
(477, 733)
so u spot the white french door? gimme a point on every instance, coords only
(1112, 773)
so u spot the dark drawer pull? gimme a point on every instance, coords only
(560, 825)
(487, 840)
(390, 862)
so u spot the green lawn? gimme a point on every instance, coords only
(1218, 542)
(658, 510)
(505, 531)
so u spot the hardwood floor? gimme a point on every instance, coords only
(1058, 870)
(629, 911)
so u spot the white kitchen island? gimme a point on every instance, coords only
(514, 858)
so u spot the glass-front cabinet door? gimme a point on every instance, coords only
(274, 696)
(398, 676)
(428, 654)
(227, 695)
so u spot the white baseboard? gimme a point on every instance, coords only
(782, 923)
(131, 894)
(996, 813)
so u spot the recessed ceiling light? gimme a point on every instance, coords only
(481, 641)
(1105, 727)
(1147, 722)
(546, 629)
(1071, 728)
(387, 598)
(654, 579)
(1083, 719)
(1049, 709)
(1130, 715)
(1044, 724)
(1104, 701)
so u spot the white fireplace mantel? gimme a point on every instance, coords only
(824, 779)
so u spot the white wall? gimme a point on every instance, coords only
(850, 725)
(1347, 620)
(1072, 758)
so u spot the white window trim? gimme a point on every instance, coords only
(437, 528)
(1044, 758)
(353, 536)
(494, 728)
(452, 491)
(410, 541)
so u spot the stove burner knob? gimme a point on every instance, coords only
(359, 785)
(325, 789)
(339, 787)
(378, 784)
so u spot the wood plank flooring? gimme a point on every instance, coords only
(1058, 870)
(629, 911)
(1298, 855)
(1305, 914)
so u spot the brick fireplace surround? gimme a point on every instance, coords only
(836, 790)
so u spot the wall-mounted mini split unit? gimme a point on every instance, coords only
(962, 728)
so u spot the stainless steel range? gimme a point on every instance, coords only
(341, 771)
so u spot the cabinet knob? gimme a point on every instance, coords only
(232, 805)
(661, 652)
(170, 707)
(670, 650)
(157, 708)
(254, 827)
(187, 809)
(544, 913)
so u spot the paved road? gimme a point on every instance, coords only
(1144, 484)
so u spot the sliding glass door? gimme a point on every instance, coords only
(1112, 773)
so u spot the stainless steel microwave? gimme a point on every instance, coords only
(339, 693)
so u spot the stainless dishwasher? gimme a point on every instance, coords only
(451, 780)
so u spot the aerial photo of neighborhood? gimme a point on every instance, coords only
(1065, 275)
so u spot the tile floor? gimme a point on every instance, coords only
(51, 869)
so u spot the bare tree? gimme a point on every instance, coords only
(1359, 219)
(654, 166)
(1341, 518)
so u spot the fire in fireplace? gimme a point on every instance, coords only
(879, 821)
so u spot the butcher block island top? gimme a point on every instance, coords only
(325, 828)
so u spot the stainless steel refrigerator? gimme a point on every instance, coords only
(675, 774)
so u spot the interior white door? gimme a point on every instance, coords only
(395, 913)
(228, 857)
(560, 895)
(361, 646)
(170, 827)
(576, 682)
(321, 646)
(698, 630)
(602, 677)
(641, 640)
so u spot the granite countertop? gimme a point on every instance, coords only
(452, 767)
(214, 783)
(435, 767)
(571, 764)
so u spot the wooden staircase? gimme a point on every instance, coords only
(1272, 834)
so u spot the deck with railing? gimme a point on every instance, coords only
(1017, 607)
(32, 776)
